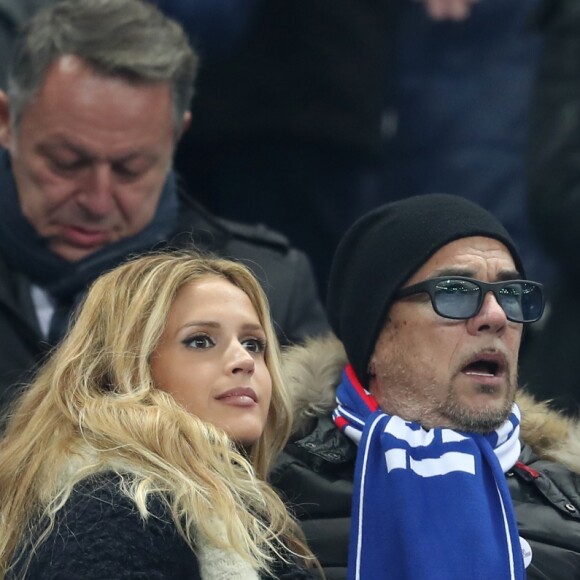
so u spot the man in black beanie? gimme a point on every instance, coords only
(403, 439)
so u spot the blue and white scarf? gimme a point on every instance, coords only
(428, 504)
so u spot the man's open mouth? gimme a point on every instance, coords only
(486, 365)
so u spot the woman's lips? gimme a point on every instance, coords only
(239, 397)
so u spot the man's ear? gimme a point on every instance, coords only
(5, 128)
(186, 122)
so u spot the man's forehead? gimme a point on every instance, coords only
(74, 68)
(68, 67)
(470, 257)
(70, 63)
(85, 113)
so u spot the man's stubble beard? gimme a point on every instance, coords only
(417, 401)
(486, 420)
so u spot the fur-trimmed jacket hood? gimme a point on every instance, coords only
(313, 371)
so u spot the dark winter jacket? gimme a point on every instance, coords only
(315, 473)
(306, 72)
(99, 534)
(284, 272)
(553, 184)
(462, 101)
(553, 157)
(214, 27)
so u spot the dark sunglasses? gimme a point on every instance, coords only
(460, 298)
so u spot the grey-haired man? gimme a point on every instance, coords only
(97, 98)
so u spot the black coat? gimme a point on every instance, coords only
(284, 272)
(315, 474)
(100, 535)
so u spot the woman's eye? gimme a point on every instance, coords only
(199, 341)
(256, 345)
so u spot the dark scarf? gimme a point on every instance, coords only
(428, 504)
(25, 251)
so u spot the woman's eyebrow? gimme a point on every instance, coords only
(250, 326)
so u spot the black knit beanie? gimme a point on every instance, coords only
(383, 249)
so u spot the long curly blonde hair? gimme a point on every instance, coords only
(94, 408)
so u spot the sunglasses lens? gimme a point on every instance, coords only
(522, 301)
(461, 298)
(456, 298)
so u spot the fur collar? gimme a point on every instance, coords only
(220, 564)
(312, 373)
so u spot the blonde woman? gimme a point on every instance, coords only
(142, 446)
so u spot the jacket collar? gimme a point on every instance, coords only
(7, 294)
(197, 226)
(16, 300)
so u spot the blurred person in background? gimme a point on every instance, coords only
(290, 110)
(553, 188)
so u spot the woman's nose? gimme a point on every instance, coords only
(241, 360)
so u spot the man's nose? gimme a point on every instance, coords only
(491, 317)
(97, 195)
